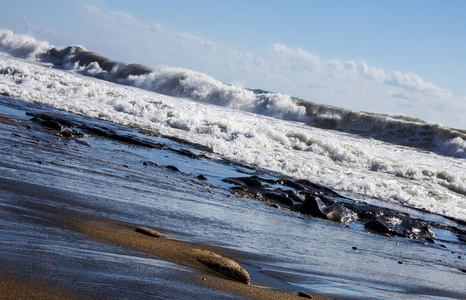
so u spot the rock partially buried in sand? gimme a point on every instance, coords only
(148, 231)
(222, 265)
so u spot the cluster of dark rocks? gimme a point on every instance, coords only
(74, 129)
(308, 198)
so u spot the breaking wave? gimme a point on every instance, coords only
(178, 82)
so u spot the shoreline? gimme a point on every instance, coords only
(71, 208)
(124, 234)
(49, 211)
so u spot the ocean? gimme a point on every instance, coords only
(395, 162)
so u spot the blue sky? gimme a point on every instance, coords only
(379, 56)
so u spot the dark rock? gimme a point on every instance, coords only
(339, 214)
(201, 177)
(367, 212)
(400, 262)
(294, 196)
(52, 124)
(111, 134)
(355, 248)
(313, 206)
(292, 184)
(149, 163)
(399, 225)
(317, 187)
(58, 124)
(278, 196)
(305, 295)
(245, 191)
(173, 168)
(244, 181)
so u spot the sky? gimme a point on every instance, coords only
(397, 57)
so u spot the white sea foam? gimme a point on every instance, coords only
(401, 130)
(344, 161)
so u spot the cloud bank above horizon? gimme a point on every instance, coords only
(294, 71)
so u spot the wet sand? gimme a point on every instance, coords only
(124, 234)
(13, 287)
(70, 208)
(38, 206)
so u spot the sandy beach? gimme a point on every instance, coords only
(71, 207)
(34, 208)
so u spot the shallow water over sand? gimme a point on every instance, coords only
(42, 173)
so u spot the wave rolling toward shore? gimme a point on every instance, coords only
(395, 159)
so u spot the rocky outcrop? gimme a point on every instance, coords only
(313, 200)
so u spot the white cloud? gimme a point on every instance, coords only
(298, 60)
(413, 82)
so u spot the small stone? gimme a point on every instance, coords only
(173, 168)
(148, 231)
(400, 262)
(430, 240)
(222, 265)
(305, 295)
(150, 163)
(201, 177)
(355, 248)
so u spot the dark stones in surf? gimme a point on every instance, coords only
(305, 295)
(172, 168)
(60, 125)
(400, 225)
(317, 201)
(300, 195)
(339, 214)
(66, 128)
(222, 265)
(201, 177)
(252, 182)
(313, 206)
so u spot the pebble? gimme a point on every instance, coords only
(305, 295)
(201, 177)
(223, 265)
(148, 231)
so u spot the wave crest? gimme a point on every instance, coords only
(178, 82)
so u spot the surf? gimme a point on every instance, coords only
(184, 83)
